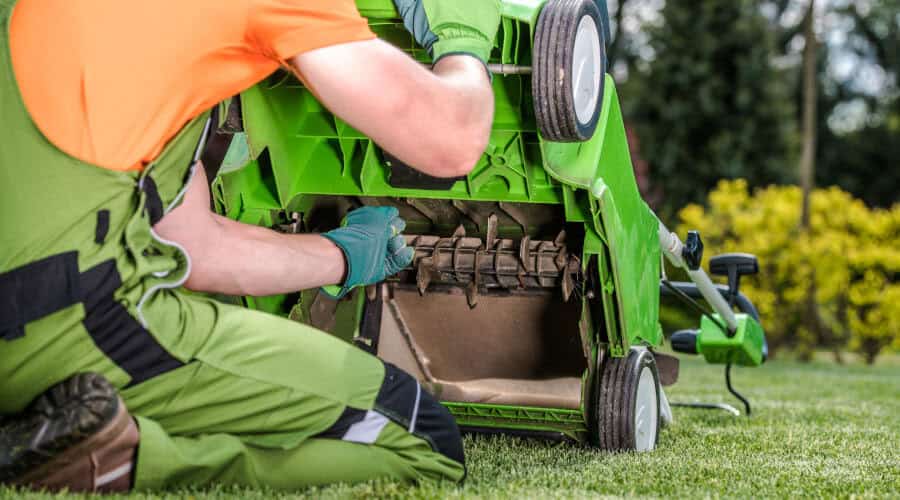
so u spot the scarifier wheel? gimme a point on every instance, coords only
(570, 64)
(626, 404)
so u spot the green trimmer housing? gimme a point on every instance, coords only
(532, 305)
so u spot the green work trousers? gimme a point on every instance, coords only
(262, 401)
(221, 394)
(248, 408)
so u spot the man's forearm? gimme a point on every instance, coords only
(239, 259)
(437, 122)
(250, 260)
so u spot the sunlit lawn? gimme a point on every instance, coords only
(819, 430)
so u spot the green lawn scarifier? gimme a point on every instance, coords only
(534, 295)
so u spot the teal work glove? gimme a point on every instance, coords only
(373, 246)
(446, 27)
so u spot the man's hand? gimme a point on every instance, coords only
(373, 247)
(447, 27)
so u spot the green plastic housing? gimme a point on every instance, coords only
(294, 150)
(744, 348)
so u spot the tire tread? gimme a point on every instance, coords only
(554, 44)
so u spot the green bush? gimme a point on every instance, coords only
(833, 286)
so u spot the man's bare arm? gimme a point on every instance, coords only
(436, 121)
(239, 259)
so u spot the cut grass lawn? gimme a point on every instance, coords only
(818, 430)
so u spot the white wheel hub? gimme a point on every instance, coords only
(587, 69)
(646, 412)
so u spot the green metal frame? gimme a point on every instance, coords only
(294, 149)
(570, 423)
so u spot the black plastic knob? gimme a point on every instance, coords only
(730, 264)
(685, 341)
(734, 265)
(692, 253)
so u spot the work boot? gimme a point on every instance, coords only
(77, 435)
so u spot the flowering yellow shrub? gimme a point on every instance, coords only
(849, 261)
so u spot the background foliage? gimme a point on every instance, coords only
(711, 106)
(863, 158)
(714, 89)
(849, 258)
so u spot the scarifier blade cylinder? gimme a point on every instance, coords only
(498, 264)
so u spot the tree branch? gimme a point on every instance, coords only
(616, 42)
(881, 51)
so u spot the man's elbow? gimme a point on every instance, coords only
(459, 153)
(459, 161)
(472, 131)
(201, 280)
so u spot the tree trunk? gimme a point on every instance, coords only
(810, 111)
(838, 355)
(808, 161)
(871, 351)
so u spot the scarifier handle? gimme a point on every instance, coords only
(685, 341)
(687, 257)
(734, 265)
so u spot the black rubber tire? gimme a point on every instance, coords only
(615, 399)
(554, 43)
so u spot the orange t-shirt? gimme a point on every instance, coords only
(110, 82)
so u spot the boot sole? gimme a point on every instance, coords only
(44, 476)
(67, 420)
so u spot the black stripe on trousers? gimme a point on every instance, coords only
(429, 420)
(338, 429)
(36, 290)
(116, 332)
(397, 400)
